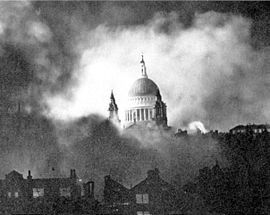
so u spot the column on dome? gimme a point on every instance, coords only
(138, 115)
(154, 114)
(146, 114)
(134, 116)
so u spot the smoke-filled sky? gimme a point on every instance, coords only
(210, 59)
(60, 61)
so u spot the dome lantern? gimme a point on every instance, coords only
(144, 74)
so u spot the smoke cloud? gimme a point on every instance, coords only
(207, 72)
(96, 148)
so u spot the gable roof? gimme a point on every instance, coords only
(149, 182)
(114, 185)
(14, 174)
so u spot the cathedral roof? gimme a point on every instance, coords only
(143, 86)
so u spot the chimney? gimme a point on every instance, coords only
(29, 177)
(92, 189)
(107, 178)
(153, 174)
(89, 189)
(73, 173)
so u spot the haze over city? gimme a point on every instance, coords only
(60, 62)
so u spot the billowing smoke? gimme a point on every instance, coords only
(58, 67)
(207, 72)
(197, 126)
(95, 148)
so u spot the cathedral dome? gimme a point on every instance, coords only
(142, 87)
(145, 105)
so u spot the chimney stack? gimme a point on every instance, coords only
(73, 173)
(92, 189)
(29, 177)
(89, 189)
(153, 174)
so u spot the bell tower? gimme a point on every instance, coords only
(160, 111)
(113, 110)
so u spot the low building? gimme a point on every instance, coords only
(153, 196)
(43, 195)
(250, 127)
(117, 198)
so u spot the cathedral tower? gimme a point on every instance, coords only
(113, 110)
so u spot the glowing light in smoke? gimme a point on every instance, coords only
(197, 125)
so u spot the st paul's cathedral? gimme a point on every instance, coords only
(145, 106)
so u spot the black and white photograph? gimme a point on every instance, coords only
(134, 107)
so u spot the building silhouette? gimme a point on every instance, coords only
(255, 128)
(44, 195)
(153, 195)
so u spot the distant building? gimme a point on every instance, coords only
(250, 127)
(151, 196)
(181, 133)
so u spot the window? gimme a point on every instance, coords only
(143, 213)
(142, 198)
(146, 114)
(38, 192)
(16, 194)
(65, 192)
(9, 194)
